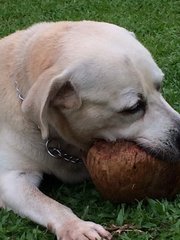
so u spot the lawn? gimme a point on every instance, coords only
(155, 23)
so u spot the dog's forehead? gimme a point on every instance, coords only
(114, 73)
(114, 61)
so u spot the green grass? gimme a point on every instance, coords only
(155, 23)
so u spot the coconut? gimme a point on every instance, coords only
(124, 172)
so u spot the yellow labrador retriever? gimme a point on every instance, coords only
(62, 85)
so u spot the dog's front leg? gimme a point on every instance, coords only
(19, 192)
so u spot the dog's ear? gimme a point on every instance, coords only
(57, 92)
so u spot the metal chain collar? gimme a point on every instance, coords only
(60, 153)
(55, 152)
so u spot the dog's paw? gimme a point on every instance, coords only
(81, 230)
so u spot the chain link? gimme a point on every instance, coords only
(18, 92)
(59, 153)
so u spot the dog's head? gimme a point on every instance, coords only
(110, 89)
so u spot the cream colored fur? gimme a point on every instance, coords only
(80, 81)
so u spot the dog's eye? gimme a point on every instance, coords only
(140, 105)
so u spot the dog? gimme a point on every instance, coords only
(63, 85)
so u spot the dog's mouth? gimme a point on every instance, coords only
(169, 155)
(161, 154)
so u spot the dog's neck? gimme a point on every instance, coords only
(56, 146)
